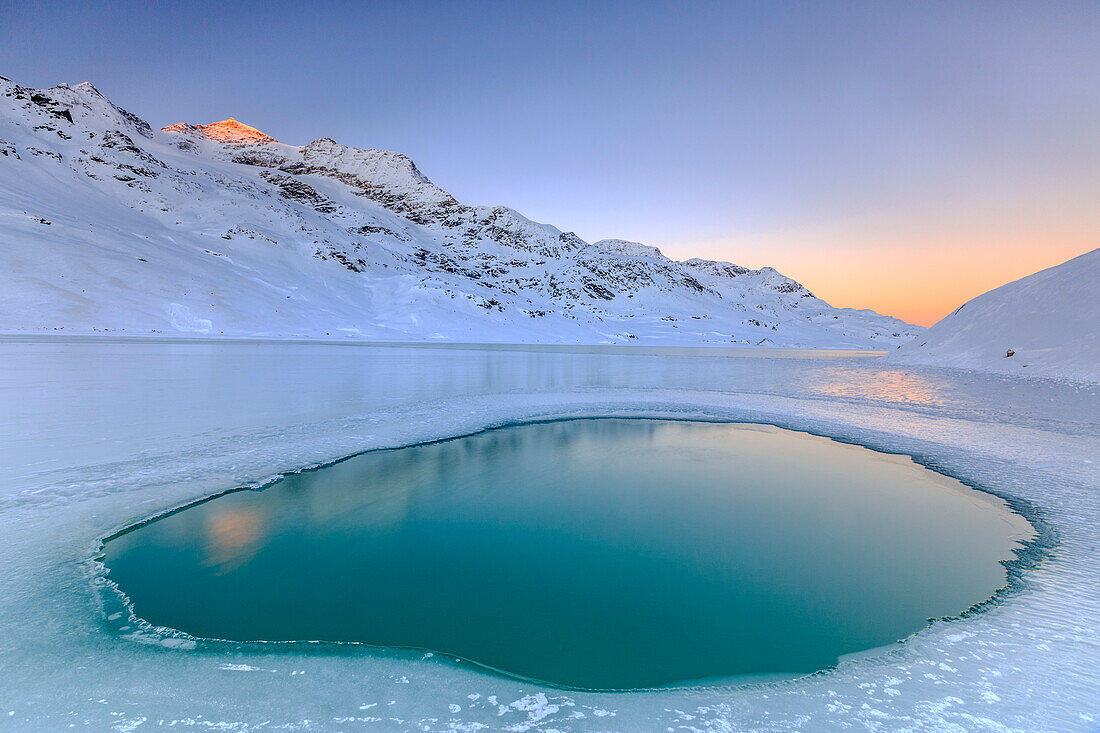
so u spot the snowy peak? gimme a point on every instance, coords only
(631, 249)
(67, 105)
(383, 166)
(718, 269)
(227, 131)
(767, 277)
(374, 171)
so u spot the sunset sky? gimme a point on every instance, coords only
(898, 156)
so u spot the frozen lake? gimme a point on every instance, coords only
(99, 434)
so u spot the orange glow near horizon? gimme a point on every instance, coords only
(934, 290)
(916, 282)
(917, 286)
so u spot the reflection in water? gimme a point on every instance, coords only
(592, 553)
(888, 385)
(231, 537)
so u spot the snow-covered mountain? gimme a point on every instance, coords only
(108, 225)
(1046, 324)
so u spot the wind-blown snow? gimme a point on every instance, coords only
(1046, 324)
(107, 225)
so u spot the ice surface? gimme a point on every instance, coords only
(98, 434)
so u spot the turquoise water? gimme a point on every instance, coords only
(605, 554)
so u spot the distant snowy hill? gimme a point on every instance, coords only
(1049, 321)
(107, 225)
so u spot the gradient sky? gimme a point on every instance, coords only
(898, 156)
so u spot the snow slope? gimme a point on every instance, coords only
(1049, 321)
(107, 225)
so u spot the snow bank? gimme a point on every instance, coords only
(1046, 324)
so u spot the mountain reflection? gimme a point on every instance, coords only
(232, 537)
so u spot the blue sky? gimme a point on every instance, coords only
(901, 156)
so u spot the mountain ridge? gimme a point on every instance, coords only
(222, 230)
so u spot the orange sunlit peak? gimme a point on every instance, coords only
(229, 130)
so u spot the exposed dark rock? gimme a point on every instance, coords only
(299, 191)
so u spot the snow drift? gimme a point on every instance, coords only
(1046, 324)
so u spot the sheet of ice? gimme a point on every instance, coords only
(98, 434)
